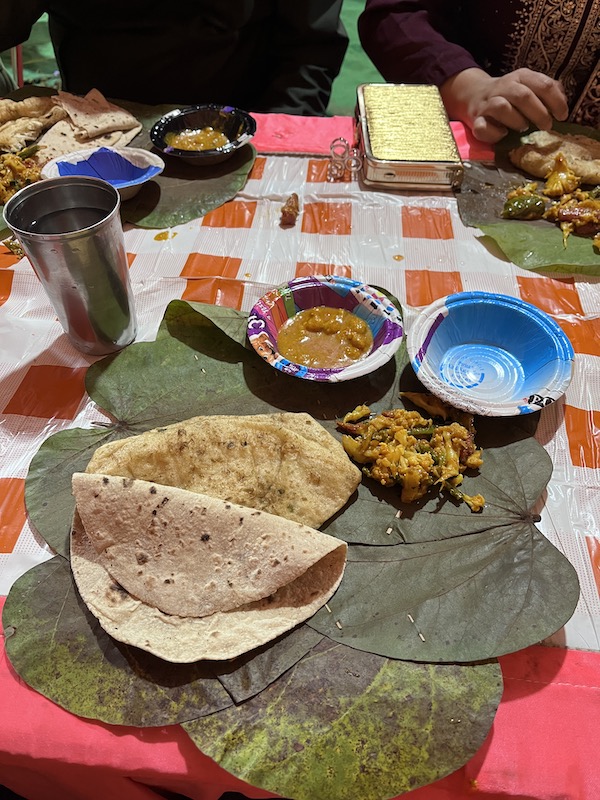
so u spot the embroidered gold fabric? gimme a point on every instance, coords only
(561, 38)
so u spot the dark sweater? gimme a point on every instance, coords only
(261, 55)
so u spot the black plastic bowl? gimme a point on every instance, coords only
(237, 125)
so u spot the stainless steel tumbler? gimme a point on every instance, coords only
(70, 230)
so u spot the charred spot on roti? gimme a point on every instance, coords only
(127, 482)
(205, 537)
(142, 558)
(153, 490)
(105, 481)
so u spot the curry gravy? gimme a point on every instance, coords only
(325, 337)
(202, 139)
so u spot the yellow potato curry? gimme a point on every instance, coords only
(206, 138)
(324, 337)
(403, 448)
(16, 171)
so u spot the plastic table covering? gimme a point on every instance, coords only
(542, 743)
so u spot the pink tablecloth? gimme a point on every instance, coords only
(542, 745)
(284, 133)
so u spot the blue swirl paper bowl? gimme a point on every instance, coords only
(274, 309)
(125, 168)
(490, 354)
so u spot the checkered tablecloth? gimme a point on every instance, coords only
(415, 246)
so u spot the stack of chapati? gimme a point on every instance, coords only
(64, 123)
(180, 543)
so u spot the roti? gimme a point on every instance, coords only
(282, 463)
(93, 115)
(220, 636)
(62, 138)
(191, 577)
(16, 134)
(30, 107)
(191, 554)
(63, 123)
(537, 153)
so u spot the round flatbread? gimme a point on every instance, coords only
(538, 151)
(190, 554)
(195, 583)
(283, 463)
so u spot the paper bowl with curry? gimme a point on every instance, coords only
(204, 134)
(325, 328)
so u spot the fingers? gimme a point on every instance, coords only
(487, 130)
(493, 106)
(548, 91)
(517, 101)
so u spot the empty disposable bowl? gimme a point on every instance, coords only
(490, 354)
(279, 305)
(125, 168)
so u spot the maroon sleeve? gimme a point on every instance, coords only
(404, 40)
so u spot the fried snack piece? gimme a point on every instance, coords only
(283, 463)
(289, 211)
(30, 107)
(536, 155)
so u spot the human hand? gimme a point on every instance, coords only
(493, 106)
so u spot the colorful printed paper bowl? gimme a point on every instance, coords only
(237, 125)
(274, 309)
(490, 354)
(125, 168)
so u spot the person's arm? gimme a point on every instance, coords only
(17, 17)
(403, 38)
(407, 40)
(308, 46)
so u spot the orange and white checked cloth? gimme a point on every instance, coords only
(416, 247)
